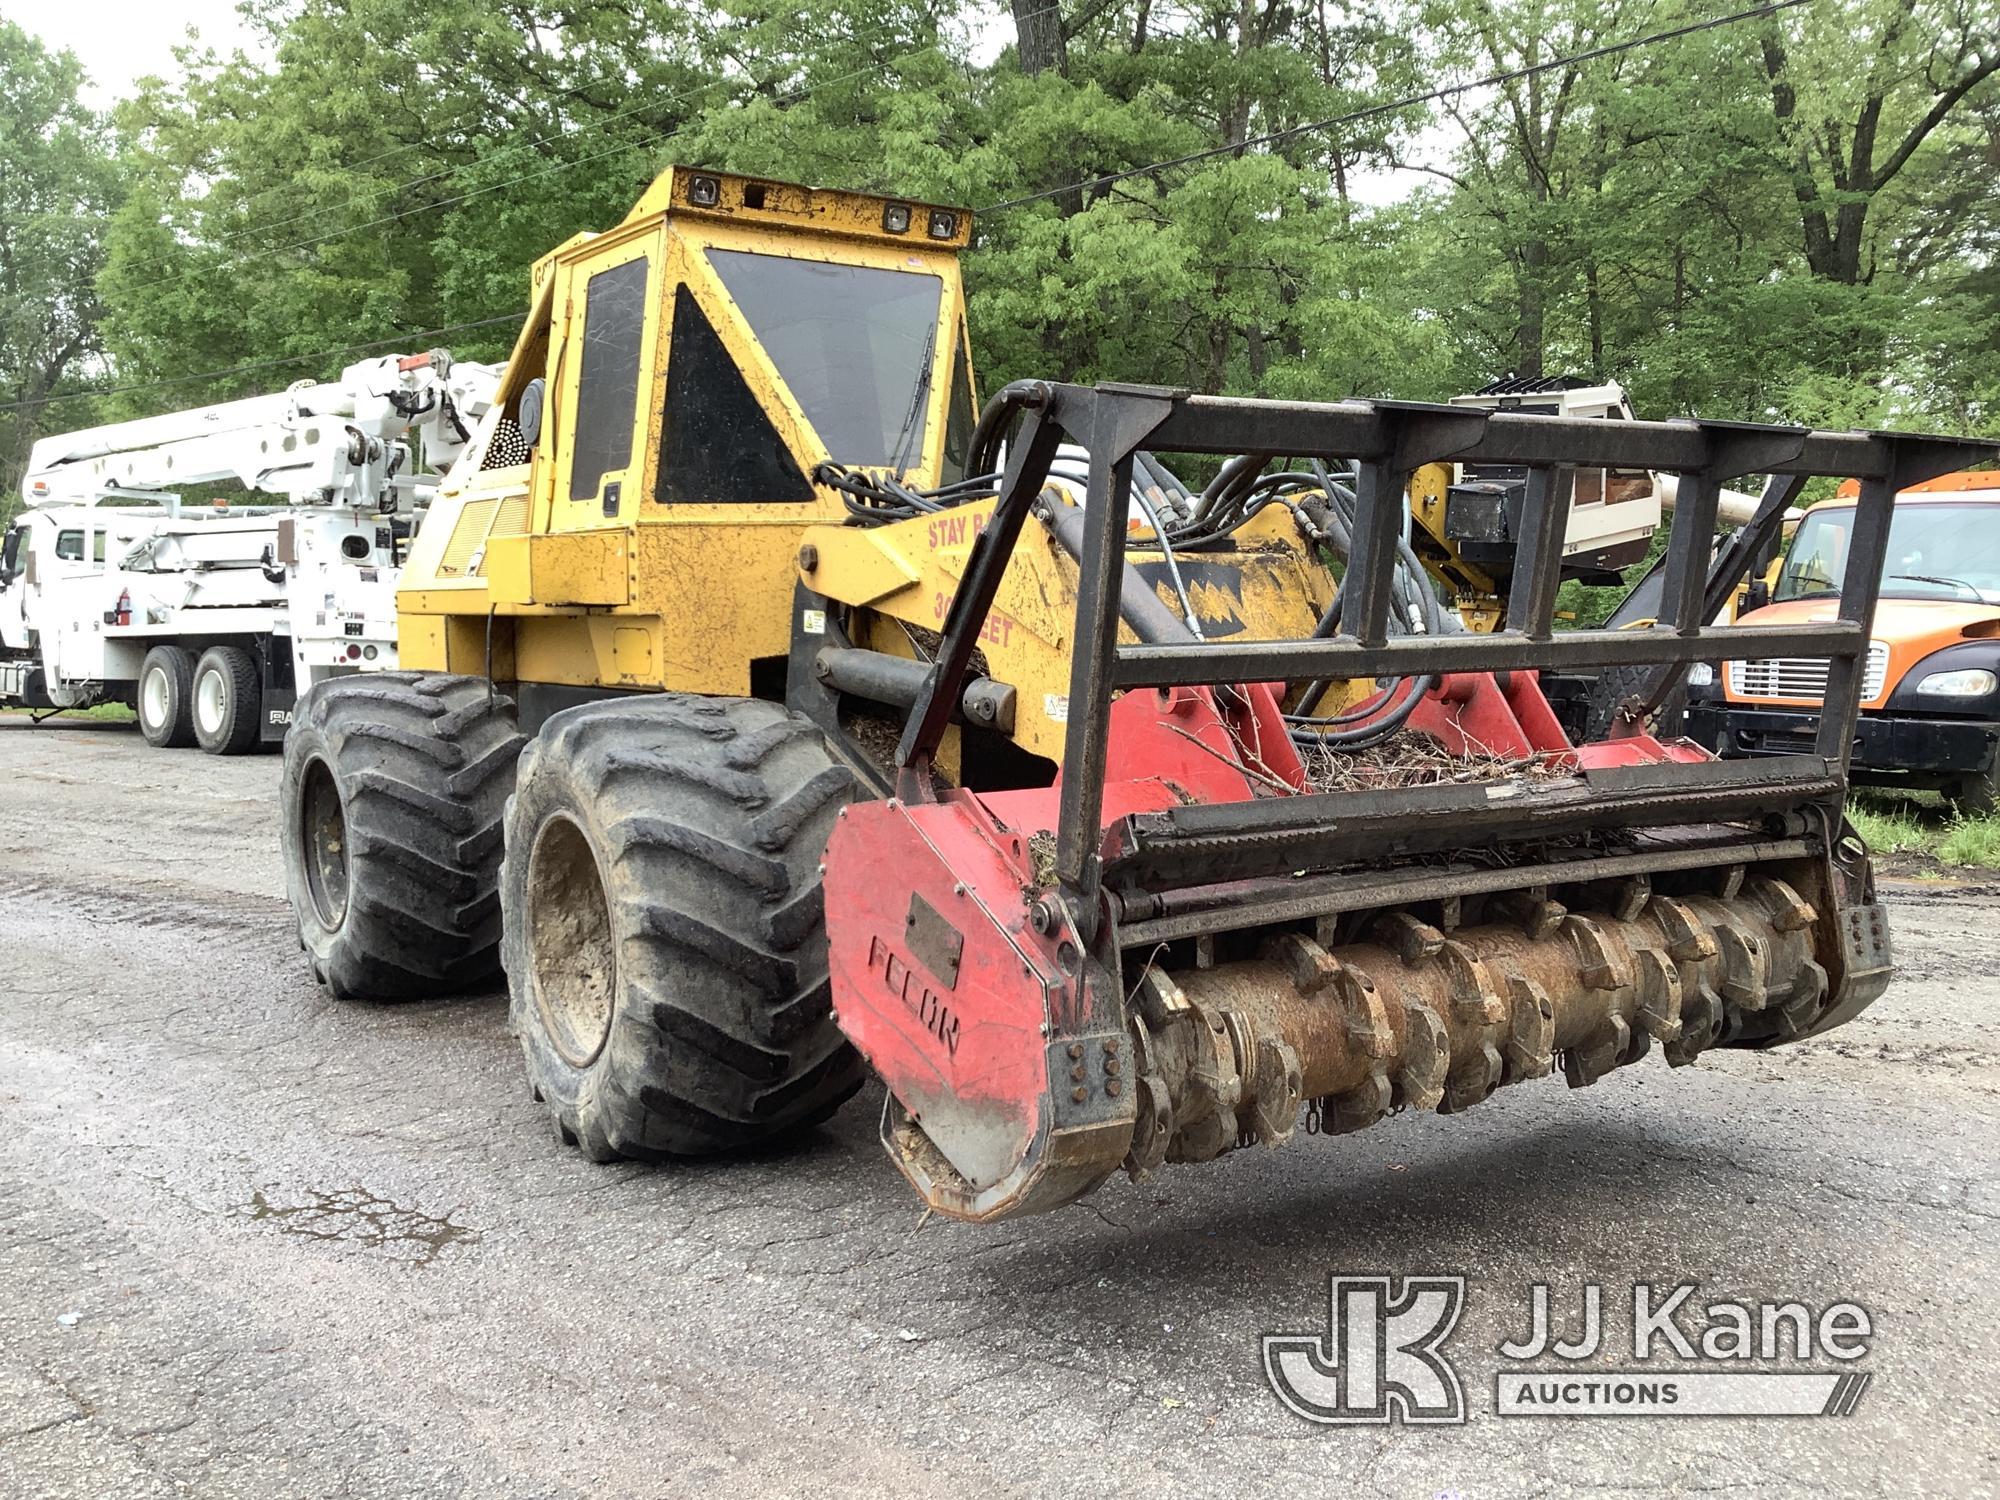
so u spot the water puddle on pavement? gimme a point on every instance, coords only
(357, 1216)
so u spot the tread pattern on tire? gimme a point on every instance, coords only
(243, 705)
(709, 817)
(1614, 686)
(424, 763)
(178, 732)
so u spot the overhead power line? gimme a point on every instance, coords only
(1269, 138)
(1449, 91)
(401, 339)
(650, 141)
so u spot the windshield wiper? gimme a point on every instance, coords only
(919, 399)
(1950, 583)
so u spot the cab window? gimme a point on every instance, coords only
(1817, 559)
(69, 546)
(607, 392)
(854, 344)
(960, 418)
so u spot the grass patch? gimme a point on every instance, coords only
(110, 713)
(1972, 841)
(1922, 825)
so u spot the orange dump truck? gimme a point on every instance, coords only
(1930, 695)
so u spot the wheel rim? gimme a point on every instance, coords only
(153, 698)
(208, 692)
(571, 951)
(323, 840)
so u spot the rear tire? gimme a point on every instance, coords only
(394, 791)
(666, 940)
(166, 698)
(228, 699)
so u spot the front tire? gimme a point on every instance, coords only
(1978, 795)
(228, 698)
(666, 942)
(166, 698)
(394, 790)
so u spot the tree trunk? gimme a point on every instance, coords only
(1595, 296)
(1038, 37)
(1528, 330)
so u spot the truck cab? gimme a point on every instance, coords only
(1930, 696)
(51, 572)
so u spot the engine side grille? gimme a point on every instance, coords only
(475, 519)
(1803, 677)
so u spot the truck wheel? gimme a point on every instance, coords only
(1978, 795)
(394, 789)
(666, 940)
(1616, 684)
(166, 698)
(228, 694)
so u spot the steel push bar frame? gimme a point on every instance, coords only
(1388, 440)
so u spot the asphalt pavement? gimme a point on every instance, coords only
(257, 1243)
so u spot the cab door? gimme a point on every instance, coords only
(609, 303)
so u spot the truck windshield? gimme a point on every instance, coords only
(1935, 552)
(855, 344)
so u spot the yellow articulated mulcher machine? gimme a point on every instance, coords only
(773, 714)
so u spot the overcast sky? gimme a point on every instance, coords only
(118, 41)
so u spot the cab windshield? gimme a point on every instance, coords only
(1935, 552)
(855, 344)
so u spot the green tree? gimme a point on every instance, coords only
(56, 187)
(393, 169)
(1683, 217)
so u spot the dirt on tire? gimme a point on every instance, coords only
(393, 795)
(666, 944)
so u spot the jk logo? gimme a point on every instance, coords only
(1379, 1359)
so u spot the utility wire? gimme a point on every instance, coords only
(592, 126)
(425, 208)
(1269, 138)
(649, 105)
(1292, 132)
(266, 364)
(246, 256)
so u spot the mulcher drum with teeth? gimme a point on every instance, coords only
(1166, 957)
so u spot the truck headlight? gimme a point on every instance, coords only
(1975, 682)
(1701, 674)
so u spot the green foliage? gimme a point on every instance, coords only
(1922, 826)
(57, 181)
(1767, 221)
(106, 713)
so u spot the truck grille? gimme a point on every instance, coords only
(1802, 677)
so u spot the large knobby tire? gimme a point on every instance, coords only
(666, 939)
(166, 698)
(394, 792)
(1614, 686)
(228, 699)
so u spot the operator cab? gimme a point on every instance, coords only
(729, 340)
